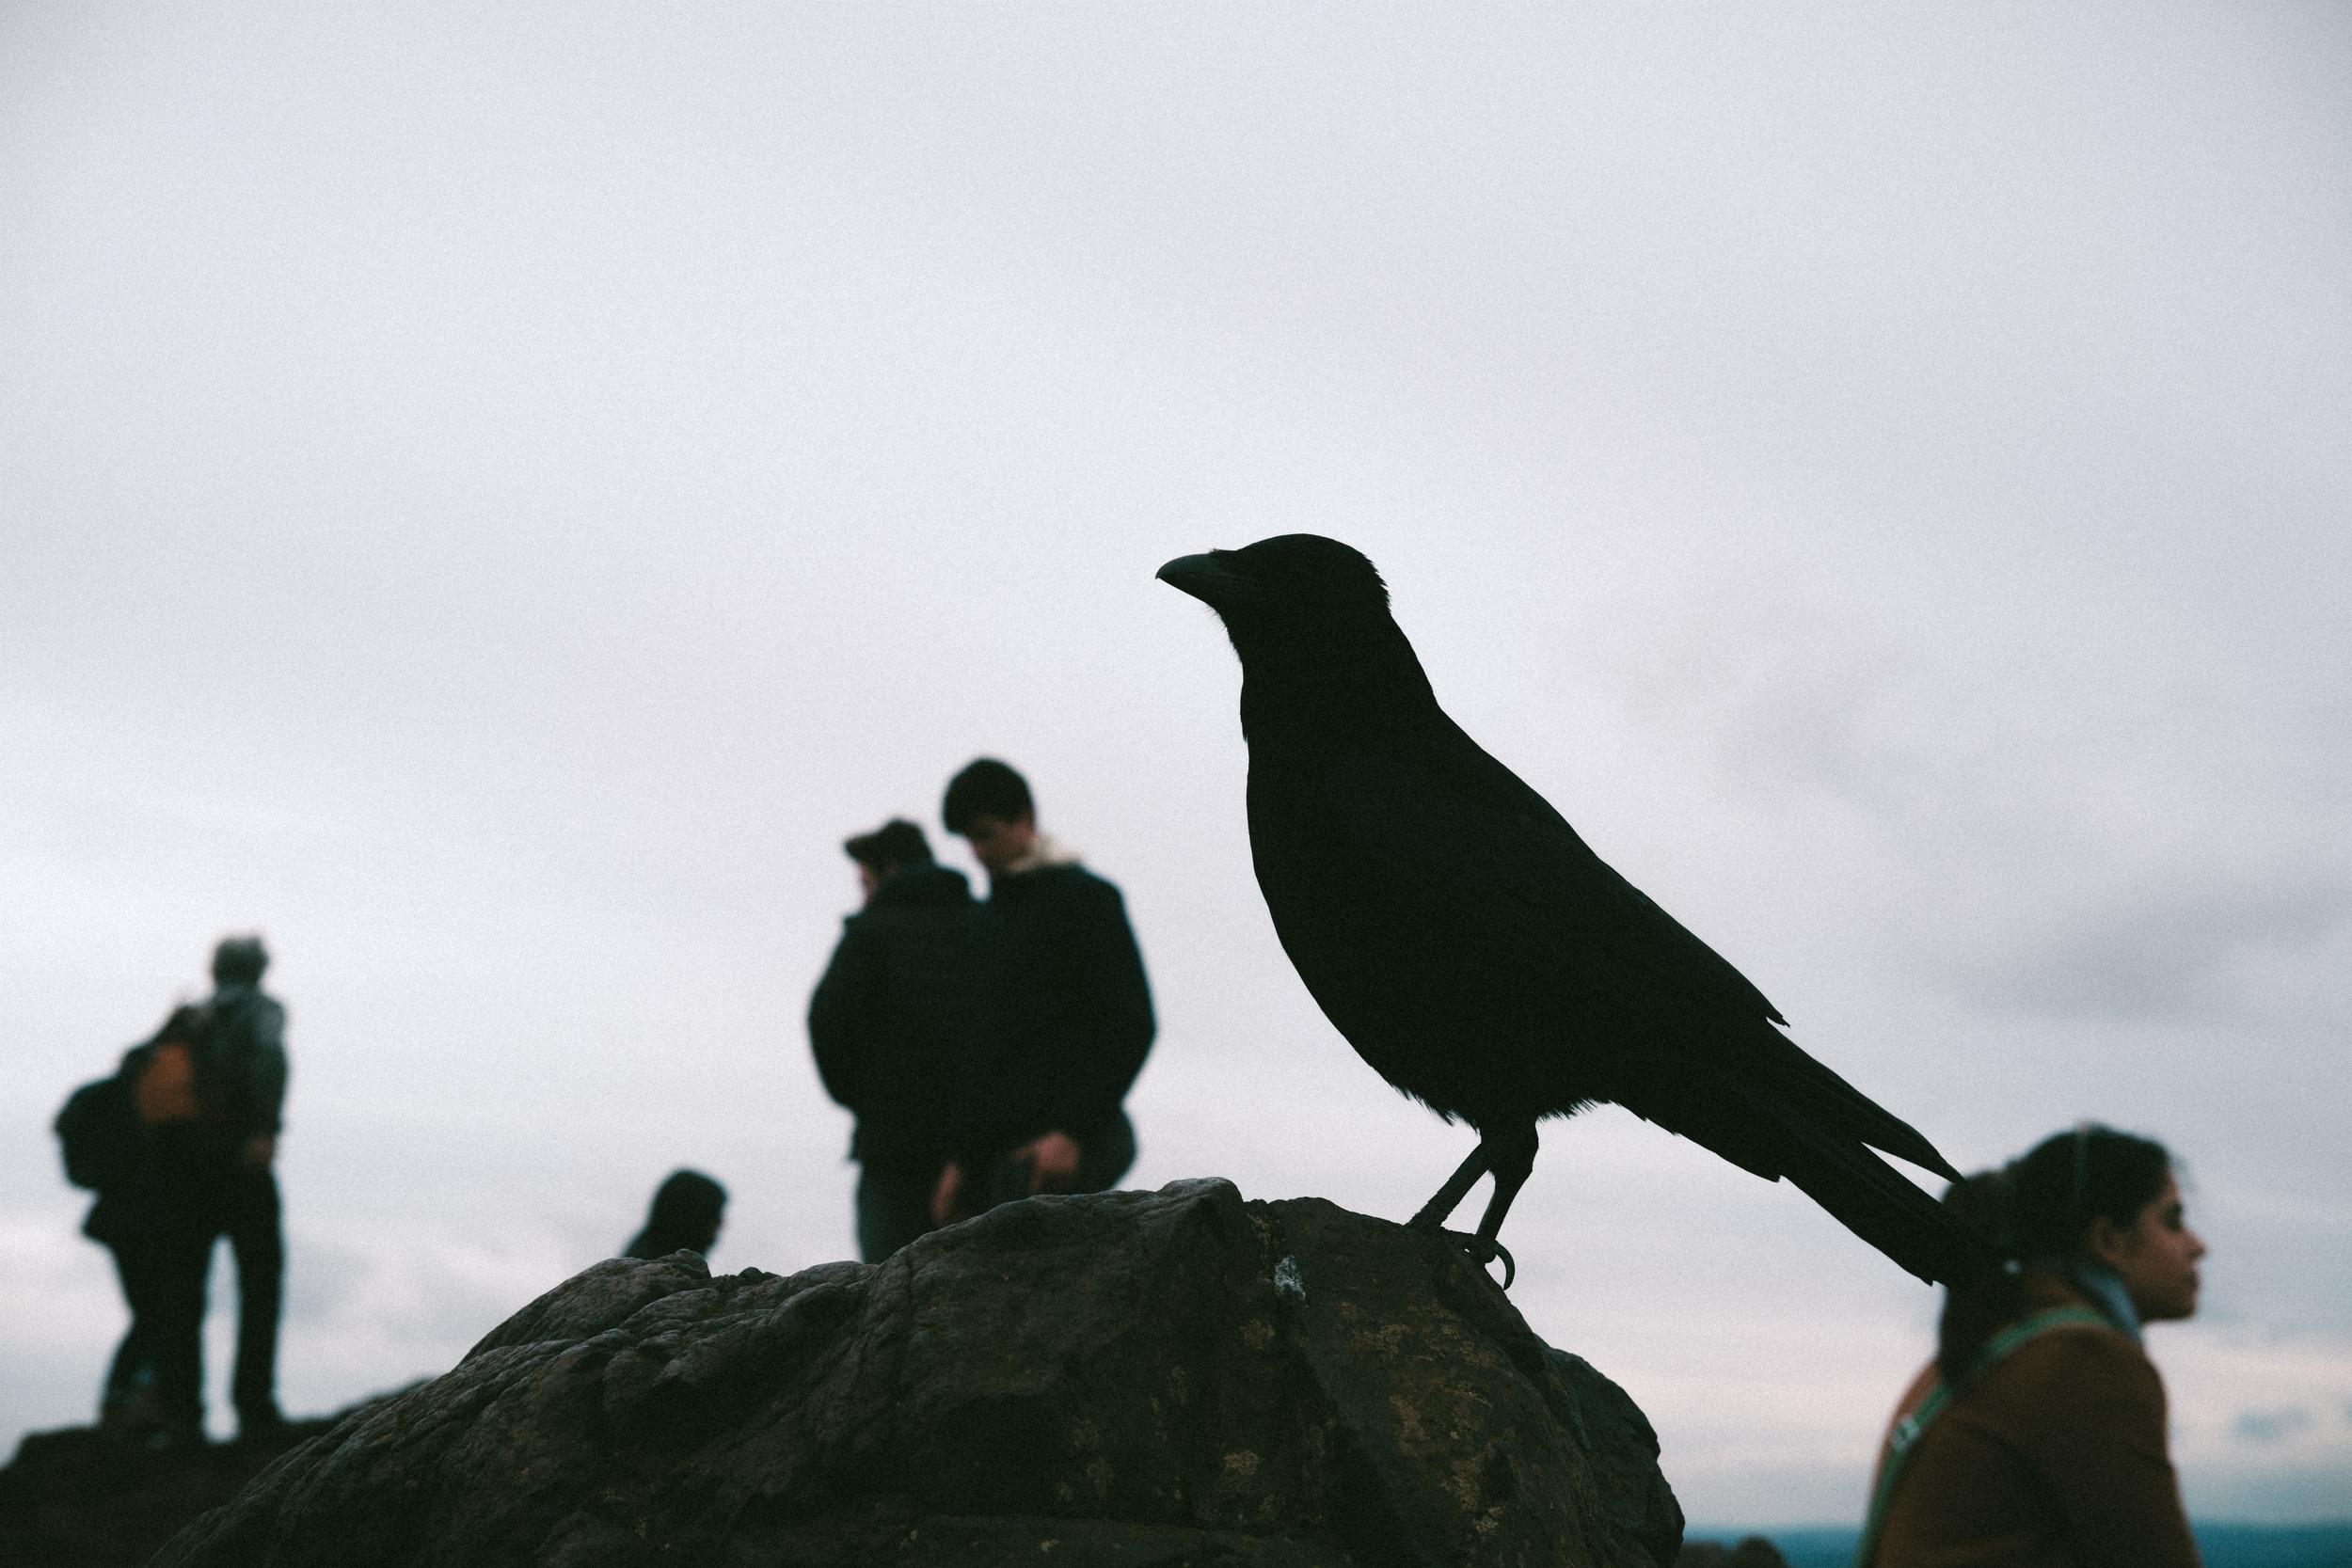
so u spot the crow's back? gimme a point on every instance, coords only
(1460, 933)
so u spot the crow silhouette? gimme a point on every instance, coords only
(1471, 948)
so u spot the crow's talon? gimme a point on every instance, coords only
(1483, 1250)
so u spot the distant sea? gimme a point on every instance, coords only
(2222, 1545)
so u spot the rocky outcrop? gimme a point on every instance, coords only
(79, 1498)
(1135, 1378)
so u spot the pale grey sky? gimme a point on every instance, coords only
(491, 500)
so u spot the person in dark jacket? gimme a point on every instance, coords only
(1064, 1011)
(151, 1214)
(890, 1025)
(687, 1211)
(244, 1069)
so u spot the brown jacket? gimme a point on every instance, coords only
(2053, 1459)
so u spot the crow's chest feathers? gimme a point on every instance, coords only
(1372, 953)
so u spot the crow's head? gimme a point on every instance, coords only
(1279, 589)
(1310, 618)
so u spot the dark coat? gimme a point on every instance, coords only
(891, 1019)
(244, 1061)
(183, 1173)
(2053, 1458)
(176, 1183)
(1065, 1011)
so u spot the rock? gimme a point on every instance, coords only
(78, 1497)
(1165, 1379)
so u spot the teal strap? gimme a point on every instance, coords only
(1904, 1440)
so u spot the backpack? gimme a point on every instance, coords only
(103, 1125)
(97, 1128)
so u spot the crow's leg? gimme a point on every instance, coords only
(1435, 1213)
(1510, 1153)
(1514, 1160)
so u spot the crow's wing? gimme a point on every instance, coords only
(1481, 880)
(1464, 833)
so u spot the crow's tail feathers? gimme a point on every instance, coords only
(1786, 1073)
(1878, 1203)
(1771, 1109)
(1864, 1193)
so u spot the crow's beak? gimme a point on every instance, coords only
(1208, 579)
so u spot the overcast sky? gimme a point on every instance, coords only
(491, 499)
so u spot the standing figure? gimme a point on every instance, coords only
(1065, 1012)
(890, 1023)
(2037, 1435)
(205, 1095)
(242, 1071)
(148, 1214)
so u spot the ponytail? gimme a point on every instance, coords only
(2035, 1211)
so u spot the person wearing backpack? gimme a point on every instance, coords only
(2036, 1438)
(178, 1145)
(134, 1139)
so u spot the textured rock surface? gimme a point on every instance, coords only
(1135, 1378)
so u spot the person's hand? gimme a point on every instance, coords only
(1052, 1162)
(259, 1150)
(944, 1194)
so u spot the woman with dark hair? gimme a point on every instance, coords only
(2036, 1440)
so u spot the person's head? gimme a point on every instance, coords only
(892, 847)
(2111, 1198)
(2092, 1195)
(239, 962)
(687, 1208)
(989, 806)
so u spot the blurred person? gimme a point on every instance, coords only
(205, 1096)
(148, 1214)
(1064, 1011)
(890, 1025)
(2037, 1436)
(243, 1072)
(688, 1209)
